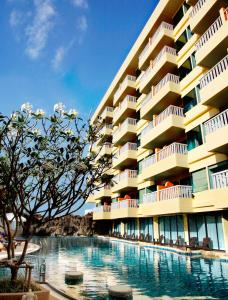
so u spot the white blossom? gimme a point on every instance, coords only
(40, 113)
(14, 116)
(26, 107)
(12, 133)
(36, 131)
(73, 113)
(69, 131)
(59, 108)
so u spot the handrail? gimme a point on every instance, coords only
(125, 101)
(196, 8)
(220, 179)
(128, 77)
(213, 73)
(129, 203)
(102, 208)
(168, 77)
(126, 147)
(126, 174)
(176, 191)
(153, 63)
(150, 197)
(174, 148)
(217, 122)
(151, 40)
(147, 99)
(147, 129)
(209, 33)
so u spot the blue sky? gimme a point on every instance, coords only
(64, 50)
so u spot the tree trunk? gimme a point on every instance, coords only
(14, 274)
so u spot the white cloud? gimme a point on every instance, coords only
(15, 18)
(82, 23)
(59, 56)
(80, 3)
(37, 33)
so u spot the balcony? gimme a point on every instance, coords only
(162, 95)
(126, 87)
(105, 132)
(212, 45)
(126, 132)
(166, 127)
(105, 150)
(162, 36)
(172, 200)
(167, 162)
(125, 180)
(216, 129)
(124, 209)
(107, 113)
(165, 62)
(125, 109)
(125, 156)
(213, 85)
(203, 12)
(102, 212)
(103, 192)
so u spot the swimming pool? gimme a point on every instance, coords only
(150, 272)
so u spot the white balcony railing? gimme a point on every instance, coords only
(150, 197)
(175, 148)
(124, 82)
(217, 122)
(165, 50)
(125, 175)
(128, 121)
(220, 180)
(105, 208)
(168, 78)
(197, 7)
(209, 33)
(218, 69)
(162, 26)
(170, 110)
(176, 191)
(126, 100)
(128, 203)
(127, 147)
(147, 99)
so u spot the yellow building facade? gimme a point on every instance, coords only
(165, 122)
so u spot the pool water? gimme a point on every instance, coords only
(151, 273)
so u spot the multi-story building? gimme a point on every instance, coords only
(165, 120)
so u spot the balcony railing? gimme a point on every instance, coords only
(170, 110)
(119, 90)
(165, 49)
(128, 121)
(176, 191)
(220, 180)
(168, 78)
(147, 99)
(217, 122)
(126, 100)
(163, 25)
(150, 197)
(209, 33)
(197, 7)
(127, 174)
(105, 208)
(218, 69)
(175, 148)
(129, 203)
(127, 147)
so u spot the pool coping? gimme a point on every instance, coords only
(216, 255)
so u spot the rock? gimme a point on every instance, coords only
(68, 226)
(73, 277)
(120, 291)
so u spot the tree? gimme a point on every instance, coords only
(47, 169)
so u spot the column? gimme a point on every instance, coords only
(122, 228)
(186, 233)
(225, 230)
(156, 229)
(137, 227)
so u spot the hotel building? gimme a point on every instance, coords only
(165, 122)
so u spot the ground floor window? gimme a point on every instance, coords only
(146, 227)
(172, 228)
(116, 227)
(207, 226)
(130, 227)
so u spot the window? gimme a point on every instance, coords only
(140, 167)
(199, 180)
(191, 99)
(210, 226)
(146, 227)
(183, 39)
(180, 13)
(138, 140)
(187, 66)
(171, 228)
(141, 194)
(194, 138)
